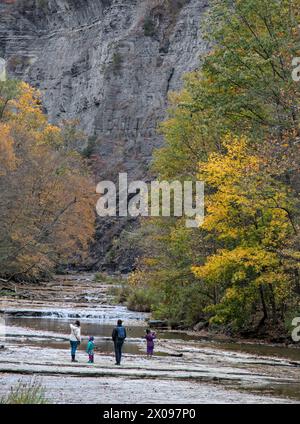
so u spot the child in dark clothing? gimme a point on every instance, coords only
(90, 350)
(150, 342)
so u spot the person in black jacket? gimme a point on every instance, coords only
(118, 336)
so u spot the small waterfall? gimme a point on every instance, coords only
(107, 314)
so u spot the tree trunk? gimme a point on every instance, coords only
(264, 306)
(273, 305)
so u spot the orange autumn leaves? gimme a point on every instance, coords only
(7, 155)
(47, 198)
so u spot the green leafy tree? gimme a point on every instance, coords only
(238, 117)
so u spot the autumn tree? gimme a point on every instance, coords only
(46, 202)
(251, 214)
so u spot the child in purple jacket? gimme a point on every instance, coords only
(150, 342)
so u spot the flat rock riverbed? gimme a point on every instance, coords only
(36, 345)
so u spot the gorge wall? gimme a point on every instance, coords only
(108, 63)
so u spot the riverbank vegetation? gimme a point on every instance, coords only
(235, 126)
(31, 393)
(46, 196)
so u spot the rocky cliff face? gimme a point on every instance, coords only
(108, 63)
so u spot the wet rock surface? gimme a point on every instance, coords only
(198, 370)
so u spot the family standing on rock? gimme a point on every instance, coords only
(118, 336)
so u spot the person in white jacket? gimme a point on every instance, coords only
(75, 339)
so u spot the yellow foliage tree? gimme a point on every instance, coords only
(251, 214)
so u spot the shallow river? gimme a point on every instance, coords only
(186, 368)
(102, 332)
